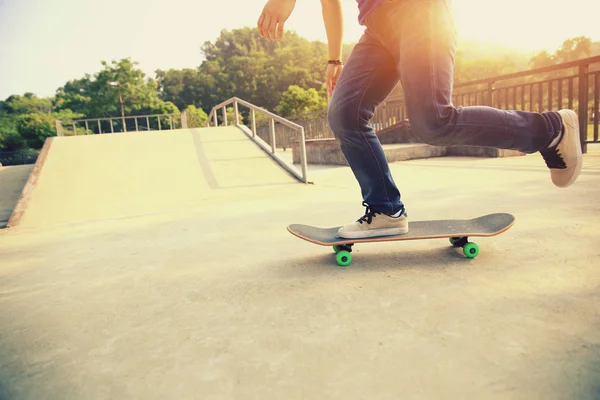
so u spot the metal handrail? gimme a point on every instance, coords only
(392, 110)
(520, 74)
(60, 123)
(302, 176)
(126, 117)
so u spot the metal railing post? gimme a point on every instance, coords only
(253, 122)
(596, 108)
(224, 110)
(583, 105)
(272, 130)
(183, 120)
(303, 161)
(59, 130)
(236, 113)
(215, 119)
(490, 97)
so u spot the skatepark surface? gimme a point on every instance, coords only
(159, 266)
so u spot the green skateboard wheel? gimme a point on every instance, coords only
(343, 258)
(336, 248)
(471, 250)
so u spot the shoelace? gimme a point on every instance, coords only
(553, 159)
(369, 214)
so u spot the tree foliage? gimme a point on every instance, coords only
(296, 100)
(196, 117)
(570, 50)
(285, 77)
(101, 95)
(240, 63)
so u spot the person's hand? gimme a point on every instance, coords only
(273, 17)
(332, 75)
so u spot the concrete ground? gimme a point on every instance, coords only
(215, 300)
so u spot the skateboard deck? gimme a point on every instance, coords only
(457, 230)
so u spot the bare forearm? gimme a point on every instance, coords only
(334, 27)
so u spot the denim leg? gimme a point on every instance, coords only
(422, 39)
(368, 77)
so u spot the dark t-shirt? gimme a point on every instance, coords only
(365, 7)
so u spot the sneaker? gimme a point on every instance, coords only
(564, 158)
(374, 224)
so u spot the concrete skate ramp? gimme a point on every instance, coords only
(86, 178)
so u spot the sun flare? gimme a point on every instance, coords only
(525, 24)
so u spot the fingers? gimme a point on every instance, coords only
(279, 31)
(331, 81)
(271, 34)
(265, 26)
(260, 23)
(333, 84)
(332, 78)
(270, 25)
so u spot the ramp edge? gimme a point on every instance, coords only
(27, 192)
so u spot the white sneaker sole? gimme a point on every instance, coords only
(571, 124)
(373, 233)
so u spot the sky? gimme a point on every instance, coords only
(44, 44)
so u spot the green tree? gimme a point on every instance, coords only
(27, 104)
(574, 49)
(181, 87)
(161, 108)
(542, 59)
(76, 95)
(11, 111)
(118, 84)
(11, 141)
(296, 100)
(570, 50)
(196, 117)
(35, 128)
(241, 63)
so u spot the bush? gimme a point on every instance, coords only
(11, 141)
(35, 128)
(196, 117)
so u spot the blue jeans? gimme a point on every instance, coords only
(414, 42)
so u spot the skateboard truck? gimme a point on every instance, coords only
(470, 249)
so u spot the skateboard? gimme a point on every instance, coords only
(457, 230)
